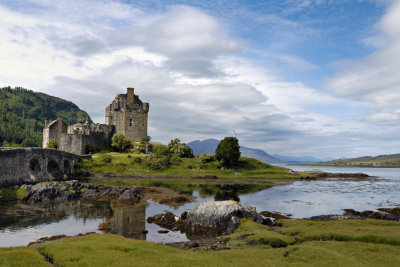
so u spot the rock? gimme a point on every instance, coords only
(378, 215)
(333, 217)
(167, 220)
(163, 231)
(218, 218)
(275, 215)
(393, 211)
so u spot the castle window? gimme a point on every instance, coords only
(130, 122)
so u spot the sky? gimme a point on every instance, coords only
(295, 77)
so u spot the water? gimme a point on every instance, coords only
(21, 224)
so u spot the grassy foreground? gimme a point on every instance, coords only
(295, 243)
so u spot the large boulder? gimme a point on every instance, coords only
(218, 218)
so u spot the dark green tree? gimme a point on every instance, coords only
(228, 152)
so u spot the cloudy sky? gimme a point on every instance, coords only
(294, 77)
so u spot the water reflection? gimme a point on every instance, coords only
(21, 223)
(128, 221)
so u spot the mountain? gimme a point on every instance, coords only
(391, 160)
(23, 112)
(205, 146)
(209, 146)
(299, 160)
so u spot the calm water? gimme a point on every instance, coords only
(21, 223)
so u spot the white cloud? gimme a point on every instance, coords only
(375, 78)
(186, 64)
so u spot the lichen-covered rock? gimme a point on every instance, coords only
(167, 220)
(218, 218)
(68, 190)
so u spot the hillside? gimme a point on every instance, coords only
(300, 159)
(209, 146)
(392, 160)
(22, 115)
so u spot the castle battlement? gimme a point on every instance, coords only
(129, 115)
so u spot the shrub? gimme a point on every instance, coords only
(156, 163)
(176, 160)
(205, 158)
(137, 160)
(106, 158)
(180, 149)
(228, 152)
(120, 143)
(52, 144)
(161, 150)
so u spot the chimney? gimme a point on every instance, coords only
(131, 93)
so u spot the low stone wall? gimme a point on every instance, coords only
(25, 165)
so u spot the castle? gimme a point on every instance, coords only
(126, 115)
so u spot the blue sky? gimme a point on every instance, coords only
(294, 77)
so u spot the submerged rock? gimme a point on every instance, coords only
(68, 190)
(218, 218)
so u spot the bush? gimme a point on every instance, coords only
(176, 160)
(52, 144)
(120, 143)
(205, 158)
(106, 158)
(228, 152)
(137, 160)
(161, 150)
(156, 163)
(180, 149)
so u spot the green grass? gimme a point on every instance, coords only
(252, 245)
(21, 256)
(370, 231)
(251, 234)
(124, 164)
(10, 194)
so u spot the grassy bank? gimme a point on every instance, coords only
(124, 164)
(185, 175)
(295, 243)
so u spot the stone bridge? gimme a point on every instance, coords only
(27, 165)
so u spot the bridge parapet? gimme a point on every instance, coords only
(25, 165)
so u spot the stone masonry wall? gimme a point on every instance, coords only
(24, 165)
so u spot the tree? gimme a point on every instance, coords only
(52, 144)
(180, 149)
(120, 143)
(228, 151)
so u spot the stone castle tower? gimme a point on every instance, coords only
(129, 115)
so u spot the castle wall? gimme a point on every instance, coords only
(76, 143)
(54, 131)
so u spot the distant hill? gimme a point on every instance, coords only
(22, 115)
(209, 146)
(299, 160)
(392, 160)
